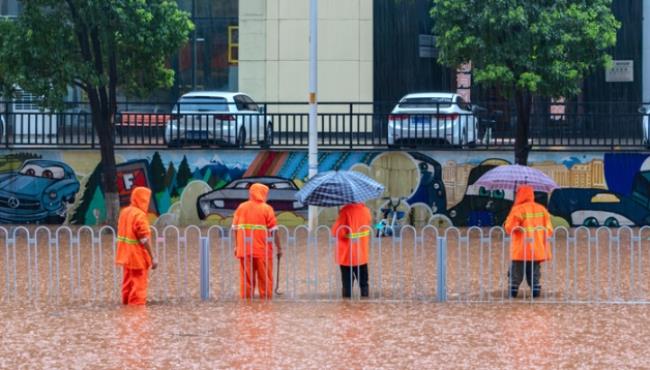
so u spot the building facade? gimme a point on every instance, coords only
(369, 51)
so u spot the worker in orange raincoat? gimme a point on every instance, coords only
(352, 231)
(254, 222)
(529, 224)
(134, 249)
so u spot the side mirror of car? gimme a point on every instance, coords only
(643, 110)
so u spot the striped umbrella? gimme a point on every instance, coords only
(336, 188)
(510, 176)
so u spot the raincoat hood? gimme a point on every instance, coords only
(140, 198)
(525, 194)
(258, 192)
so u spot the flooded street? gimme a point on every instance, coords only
(58, 308)
(326, 335)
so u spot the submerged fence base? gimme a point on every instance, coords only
(64, 264)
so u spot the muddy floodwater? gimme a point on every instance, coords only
(58, 308)
(321, 335)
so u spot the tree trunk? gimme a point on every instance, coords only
(101, 116)
(523, 101)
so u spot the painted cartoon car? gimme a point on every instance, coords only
(224, 201)
(597, 207)
(39, 192)
(483, 207)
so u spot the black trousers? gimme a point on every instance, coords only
(531, 271)
(351, 273)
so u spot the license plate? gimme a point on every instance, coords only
(421, 120)
(197, 135)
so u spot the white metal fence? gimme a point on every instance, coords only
(63, 265)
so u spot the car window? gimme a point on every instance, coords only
(202, 104)
(242, 185)
(51, 172)
(280, 185)
(425, 102)
(605, 198)
(245, 103)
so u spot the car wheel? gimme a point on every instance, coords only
(241, 138)
(612, 222)
(590, 222)
(268, 137)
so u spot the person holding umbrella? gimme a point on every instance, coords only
(352, 228)
(529, 224)
(352, 232)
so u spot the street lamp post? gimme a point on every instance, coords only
(645, 56)
(313, 103)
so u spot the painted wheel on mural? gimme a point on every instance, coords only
(440, 221)
(612, 222)
(590, 222)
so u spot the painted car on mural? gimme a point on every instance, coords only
(223, 202)
(483, 207)
(39, 192)
(598, 207)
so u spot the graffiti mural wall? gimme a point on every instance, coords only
(204, 187)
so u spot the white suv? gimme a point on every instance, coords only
(443, 118)
(212, 117)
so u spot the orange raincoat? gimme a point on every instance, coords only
(132, 230)
(530, 225)
(352, 229)
(254, 221)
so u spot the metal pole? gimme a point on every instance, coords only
(645, 56)
(442, 269)
(193, 48)
(313, 105)
(205, 269)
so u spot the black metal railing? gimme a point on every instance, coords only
(341, 125)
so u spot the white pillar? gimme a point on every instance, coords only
(313, 102)
(645, 53)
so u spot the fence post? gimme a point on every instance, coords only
(350, 130)
(205, 269)
(441, 257)
(6, 127)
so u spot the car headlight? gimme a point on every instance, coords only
(52, 194)
(218, 203)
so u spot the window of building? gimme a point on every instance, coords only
(233, 44)
(10, 8)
